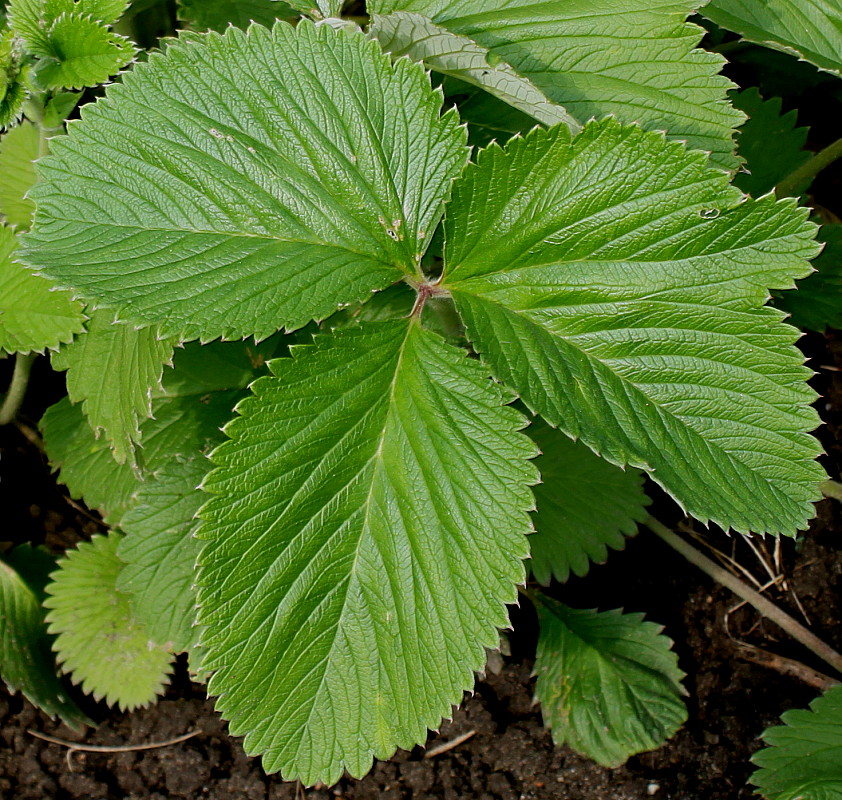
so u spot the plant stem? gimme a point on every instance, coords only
(17, 388)
(768, 609)
(832, 489)
(788, 187)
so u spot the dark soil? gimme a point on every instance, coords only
(510, 756)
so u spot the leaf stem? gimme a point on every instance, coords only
(17, 388)
(832, 489)
(788, 187)
(768, 609)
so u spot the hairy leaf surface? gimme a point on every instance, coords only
(113, 369)
(18, 150)
(617, 283)
(419, 38)
(99, 642)
(366, 531)
(585, 505)
(247, 192)
(809, 29)
(636, 61)
(33, 317)
(803, 760)
(27, 663)
(608, 683)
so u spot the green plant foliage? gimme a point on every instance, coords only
(33, 317)
(113, 369)
(809, 29)
(107, 11)
(365, 532)
(18, 150)
(608, 683)
(460, 57)
(636, 61)
(160, 552)
(803, 760)
(816, 302)
(217, 15)
(629, 313)
(585, 506)
(26, 659)
(769, 142)
(99, 643)
(275, 224)
(12, 81)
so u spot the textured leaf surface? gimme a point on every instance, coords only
(770, 143)
(585, 505)
(804, 758)
(12, 80)
(366, 532)
(32, 316)
(18, 151)
(160, 552)
(217, 15)
(635, 61)
(810, 29)
(608, 683)
(617, 283)
(416, 36)
(816, 302)
(263, 199)
(113, 369)
(27, 663)
(99, 642)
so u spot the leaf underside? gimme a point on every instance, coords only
(617, 283)
(365, 532)
(247, 193)
(636, 62)
(803, 760)
(608, 683)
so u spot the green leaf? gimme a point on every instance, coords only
(27, 663)
(160, 552)
(816, 301)
(238, 212)
(617, 283)
(585, 505)
(803, 760)
(33, 316)
(26, 20)
(99, 643)
(635, 61)
(79, 52)
(217, 15)
(113, 369)
(18, 150)
(460, 57)
(365, 533)
(12, 81)
(769, 143)
(608, 683)
(809, 29)
(107, 11)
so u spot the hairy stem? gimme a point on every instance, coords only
(768, 609)
(17, 388)
(832, 489)
(788, 187)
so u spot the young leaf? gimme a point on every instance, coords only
(18, 150)
(262, 200)
(12, 81)
(113, 369)
(816, 301)
(160, 553)
(366, 531)
(217, 15)
(27, 663)
(585, 505)
(803, 760)
(769, 142)
(33, 317)
(617, 283)
(99, 643)
(107, 11)
(635, 61)
(809, 29)
(608, 683)
(402, 33)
